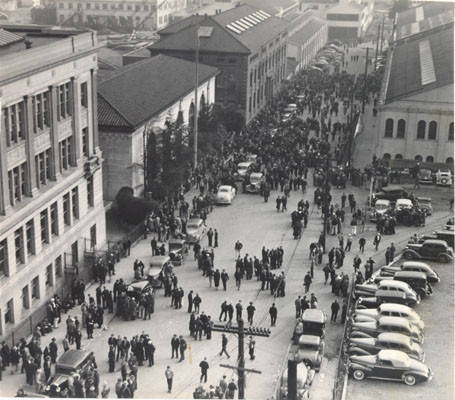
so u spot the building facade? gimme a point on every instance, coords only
(246, 44)
(125, 14)
(415, 113)
(51, 196)
(164, 86)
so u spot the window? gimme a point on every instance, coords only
(84, 94)
(90, 199)
(128, 7)
(97, 6)
(54, 219)
(104, 6)
(75, 253)
(421, 127)
(75, 202)
(120, 7)
(65, 154)
(61, 5)
(93, 236)
(249, 105)
(64, 103)
(451, 132)
(43, 167)
(9, 312)
(88, 6)
(418, 158)
(449, 160)
(35, 288)
(44, 223)
(13, 121)
(3, 257)
(138, 7)
(232, 61)
(146, 8)
(49, 276)
(66, 209)
(386, 156)
(17, 183)
(58, 267)
(70, 6)
(432, 129)
(85, 143)
(30, 237)
(25, 298)
(251, 78)
(388, 128)
(429, 159)
(398, 156)
(401, 129)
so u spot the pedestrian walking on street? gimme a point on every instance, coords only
(197, 302)
(348, 243)
(210, 236)
(238, 278)
(224, 279)
(182, 348)
(251, 345)
(278, 203)
(298, 307)
(215, 237)
(335, 308)
(250, 312)
(238, 310)
(307, 282)
(175, 346)
(344, 312)
(204, 365)
(273, 314)
(169, 377)
(238, 247)
(362, 243)
(224, 342)
(377, 240)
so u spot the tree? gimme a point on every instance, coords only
(132, 209)
(152, 160)
(398, 6)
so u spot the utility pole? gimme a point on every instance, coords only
(240, 330)
(377, 48)
(196, 116)
(326, 201)
(365, 83)
(382, 31)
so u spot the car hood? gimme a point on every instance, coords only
(372, 312)
(191, 231)
(364, 325)
(419, 366)
(223, 195)
(307, 354)
(59, 379)
(371, 360)
(361, 341)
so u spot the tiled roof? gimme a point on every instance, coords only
(273, 7)
(137, 92)
(302, 35)
(405, 76)
(180, 25)
(223, 39)
(426, 9)
(425, 24)
(7, 38)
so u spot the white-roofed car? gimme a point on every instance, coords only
(403, 204)
(243, 168)
(424, 203)
(389, 310)
(225, 194)
(389, 365)
(311, 351)
(195, 229)
(380, 208)
(370, 289)
(432, 276)
(256, 179)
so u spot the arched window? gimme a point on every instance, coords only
(386, 156)
(388, 128)
(191, 115)
(421, 127)
(399, 156)
(429, 159)
(418, 158)
(401, 128)
(432, 128)
(449, 160)
(202, 101)
(451, 131)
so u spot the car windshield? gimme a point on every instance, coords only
(308, 346)
(425, 201)
(242, 167)
(192, 226)
(224, 190)
(381, 207)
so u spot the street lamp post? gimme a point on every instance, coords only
(196, 86)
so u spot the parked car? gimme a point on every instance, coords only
(251, 157)
(389, 365)
(243, 168)
(178, 249)
(225, 194)
(388, 324)
(381, 206)
(431, 249)
(424, 203)
(370, 289)
(391, 193)
(426, 176)
(305, 376)
(71, 362)
(448, 235)
(256, 179)
(159, 266)
(195, 230)
(416, 280)
(311, 351)
(383, 296)
(312, 322)
(384, 341)
(286, 117)
(138, 289)
(403, 204)
(389, 310)
(416, 266)
(444, 178)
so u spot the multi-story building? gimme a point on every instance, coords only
(415, 112)
(246, 44)
(125, 14)
(51, 197)
(139, 97)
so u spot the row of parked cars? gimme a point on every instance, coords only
(386, 333)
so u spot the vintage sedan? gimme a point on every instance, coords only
(370, 289)
(389, 365)
(195, 230)
(225, 194)
(431, 249)
(389, 310)
(311, 351)
(256, 179)
(424, 203)
(388, 324)
(403, 204)
(363, 346)
(416, 266)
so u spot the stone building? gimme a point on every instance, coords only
(144, 94)
(51, 197)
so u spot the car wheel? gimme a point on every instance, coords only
(443, 258)
(358, 375)
(408, 256)
(444, 181)
(410, 380)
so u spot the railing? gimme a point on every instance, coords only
(339, 386)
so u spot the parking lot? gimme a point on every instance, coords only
(437, 313)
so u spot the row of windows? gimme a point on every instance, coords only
(265, 65)
(104, 6)
(421, 129)
(48, 227)
(259, 95)
(418, 158)
(14, 115)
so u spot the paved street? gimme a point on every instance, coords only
(256, 224)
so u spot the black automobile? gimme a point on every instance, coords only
(391, 193)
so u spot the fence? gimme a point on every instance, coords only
(342, 367)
